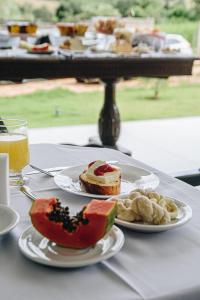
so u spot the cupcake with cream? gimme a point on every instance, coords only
(101, 178)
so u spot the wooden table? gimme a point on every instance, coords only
(20, 65)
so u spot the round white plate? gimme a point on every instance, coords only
(8, 219)
(184, 215)
(132, 178)
(41, 250)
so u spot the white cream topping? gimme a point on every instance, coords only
(107, 178)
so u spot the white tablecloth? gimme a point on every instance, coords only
(150, 266)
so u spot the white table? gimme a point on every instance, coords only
(149, 266)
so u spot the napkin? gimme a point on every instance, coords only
(4, 179)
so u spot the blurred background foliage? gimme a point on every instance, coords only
(158, 9)
(67, 10)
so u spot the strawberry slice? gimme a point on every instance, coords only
(90, 164)
(103, 169)
(42, 47)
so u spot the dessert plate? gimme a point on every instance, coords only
(132, 178)
(8, 219)
(184, 215)
(41, 250)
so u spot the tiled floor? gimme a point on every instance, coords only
(171, 145)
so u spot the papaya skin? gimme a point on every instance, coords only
(99, 213)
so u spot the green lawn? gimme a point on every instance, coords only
(187, 29)
(134, 104)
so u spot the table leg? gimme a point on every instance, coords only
(109, 119)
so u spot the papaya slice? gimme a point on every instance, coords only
(83, 230)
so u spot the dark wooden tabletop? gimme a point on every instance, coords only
(20, 65)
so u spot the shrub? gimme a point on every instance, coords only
(196, 10)
(42, 14)
(68, 9)
(9, 10)
(178, 11)
(80, 11)
(140, 8)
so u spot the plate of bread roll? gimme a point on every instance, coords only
(148, 211)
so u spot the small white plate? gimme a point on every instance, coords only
(8, 219)
(132, 178)
(41, 250)
(184, 215)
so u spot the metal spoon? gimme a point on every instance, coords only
(27, 191)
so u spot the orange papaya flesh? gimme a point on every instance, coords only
(94, 221)
(106, 208)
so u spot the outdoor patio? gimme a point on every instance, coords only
(100, 149)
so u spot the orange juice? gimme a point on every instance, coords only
(16, 145)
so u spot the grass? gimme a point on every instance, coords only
(134, 104)
(185, 28)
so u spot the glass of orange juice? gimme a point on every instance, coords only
(14, 141)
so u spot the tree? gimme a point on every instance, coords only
(26, 11)
(98, 9)
(177, 11)
(197, 8)
(124, 7)
(140, 8)
(81, 11)
(9, 10)
(68, 8)
(43, 14)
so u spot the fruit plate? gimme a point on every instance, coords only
(39, 249)
(184, 215)
(132, 178)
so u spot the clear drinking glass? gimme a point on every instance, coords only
(14, 141)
